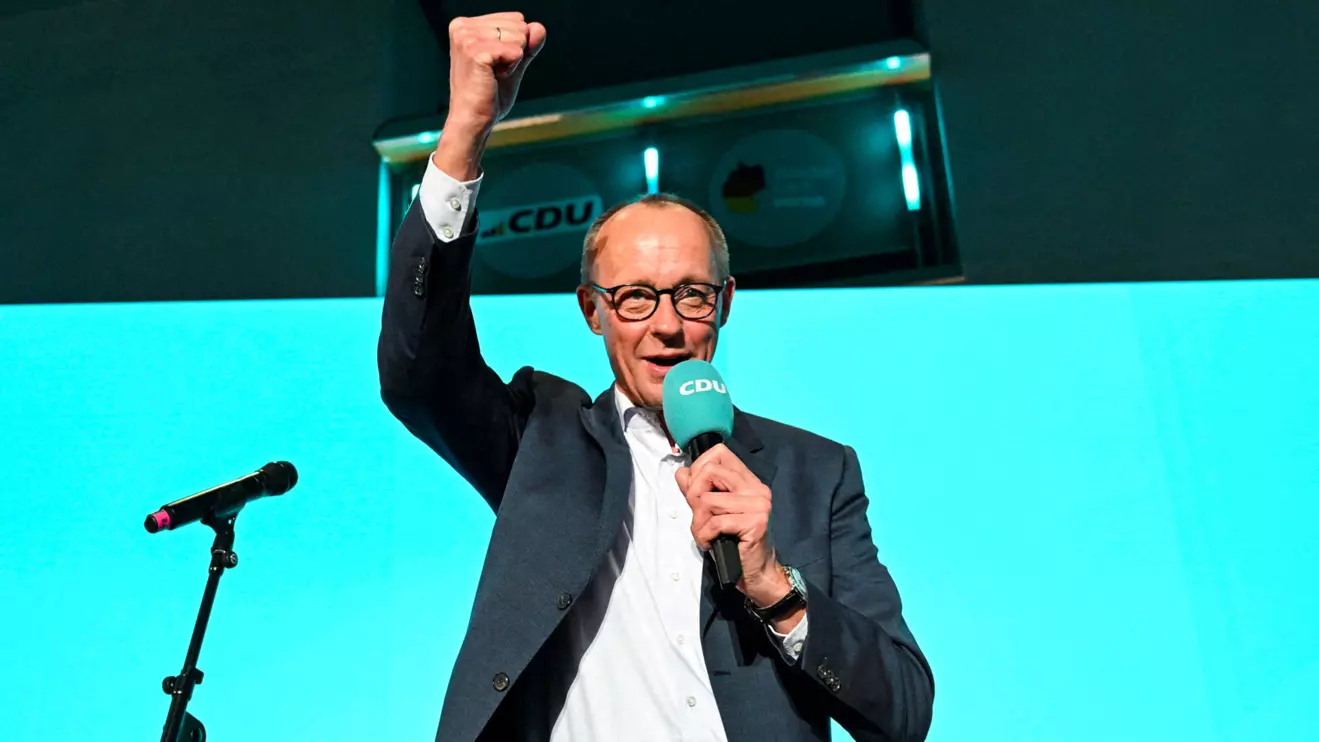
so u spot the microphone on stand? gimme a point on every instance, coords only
(218, 508)
(699, 415)
(220, 502)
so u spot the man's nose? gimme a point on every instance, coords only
(666, 320)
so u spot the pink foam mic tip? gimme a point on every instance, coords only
(161, 519)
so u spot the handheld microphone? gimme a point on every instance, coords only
(699, 415)
(220, 502)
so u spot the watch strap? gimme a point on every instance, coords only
(795, 599)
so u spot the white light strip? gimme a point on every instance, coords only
(651, 158)
(911, 182)
(383, 229)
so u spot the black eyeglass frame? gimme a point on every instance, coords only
(612, 293)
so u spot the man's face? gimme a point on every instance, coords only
(661, 246)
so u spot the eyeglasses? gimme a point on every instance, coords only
(635, 302)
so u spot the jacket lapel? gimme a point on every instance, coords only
(602, 423)
(746, 445)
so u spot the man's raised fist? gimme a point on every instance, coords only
(488, 56)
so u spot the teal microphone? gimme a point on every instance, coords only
(699, 415)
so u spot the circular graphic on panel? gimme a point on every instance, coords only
(778, 188)
(536, 221)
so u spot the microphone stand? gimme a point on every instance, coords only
(181, 726)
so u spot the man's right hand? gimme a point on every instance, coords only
(488, 55)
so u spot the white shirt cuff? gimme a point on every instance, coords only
(792, 643)
(448, 204)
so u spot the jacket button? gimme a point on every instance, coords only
(564, 601)
(419, 278)
(834, 684)
(501, 682)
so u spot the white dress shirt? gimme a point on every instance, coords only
(635, 632)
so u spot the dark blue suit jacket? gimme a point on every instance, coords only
(553, 464)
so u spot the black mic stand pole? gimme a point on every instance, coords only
(181, 726)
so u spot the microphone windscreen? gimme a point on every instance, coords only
(696, 402)
(279, 477)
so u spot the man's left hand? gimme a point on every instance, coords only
(726, 497)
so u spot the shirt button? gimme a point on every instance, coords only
(455, 204)
(447, 231)
(691, 701)
(796, 648)
(675, 576)
(673, 514)
(682, 639)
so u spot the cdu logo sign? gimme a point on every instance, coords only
(534, 220)
(697, 386)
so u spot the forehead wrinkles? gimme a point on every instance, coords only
(642, 255)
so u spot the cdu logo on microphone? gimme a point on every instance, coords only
(699, 414)
(695, 386)
(697, 402)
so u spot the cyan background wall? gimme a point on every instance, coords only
(1098, 502)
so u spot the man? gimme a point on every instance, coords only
(596, 617)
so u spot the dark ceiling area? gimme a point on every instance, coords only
(601, 43)
(158, 152)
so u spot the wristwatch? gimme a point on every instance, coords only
(796, 598)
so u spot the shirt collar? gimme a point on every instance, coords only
(628, 411)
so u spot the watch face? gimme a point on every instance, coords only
(797, 583)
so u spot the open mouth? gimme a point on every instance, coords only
(666, 362)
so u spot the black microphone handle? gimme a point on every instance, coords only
(727, 560)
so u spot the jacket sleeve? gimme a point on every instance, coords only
(860, 650)
(432, 375)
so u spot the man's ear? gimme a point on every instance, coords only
(590, 312)
(727, 301)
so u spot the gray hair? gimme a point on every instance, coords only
(718, 243)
